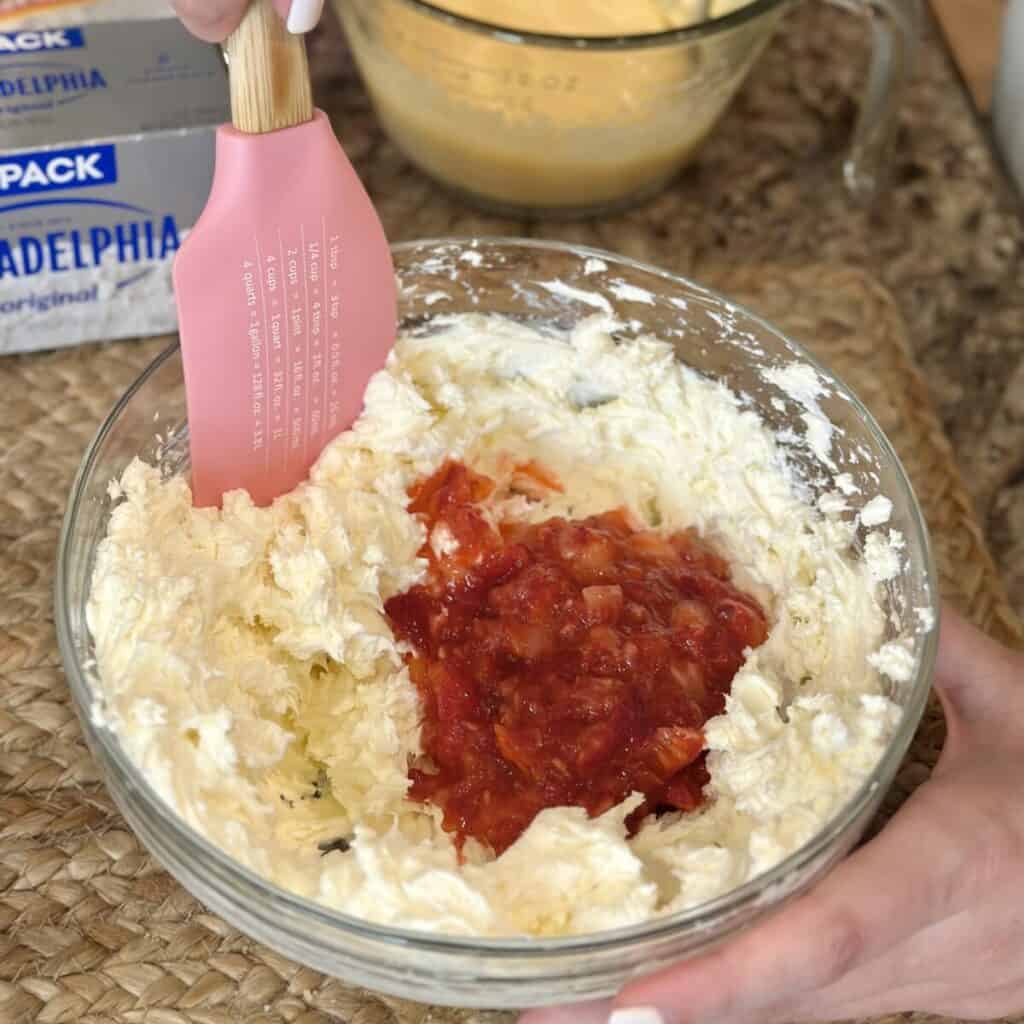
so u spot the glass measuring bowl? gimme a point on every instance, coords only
(509, 277)
(537, 123)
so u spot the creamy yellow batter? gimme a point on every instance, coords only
(547, 127)
(589, 17)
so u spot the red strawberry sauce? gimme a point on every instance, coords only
(563, 663)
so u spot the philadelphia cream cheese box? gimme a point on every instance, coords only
(106, 158)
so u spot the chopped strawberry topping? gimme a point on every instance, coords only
(563, 663)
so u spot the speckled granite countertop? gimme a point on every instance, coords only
(948, 240)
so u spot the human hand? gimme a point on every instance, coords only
(927, 916)
(215, 20)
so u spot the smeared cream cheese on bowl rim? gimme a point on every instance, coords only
(247, 669)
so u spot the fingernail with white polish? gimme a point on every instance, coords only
(636, 1015)
(303, 15)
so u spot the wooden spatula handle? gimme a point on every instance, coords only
(270, 86)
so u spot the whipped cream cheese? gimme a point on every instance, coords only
(246, 665)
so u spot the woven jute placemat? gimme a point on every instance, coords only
(91, 928)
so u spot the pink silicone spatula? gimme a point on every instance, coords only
(285, 286)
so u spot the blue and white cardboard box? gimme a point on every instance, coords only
(106, 158)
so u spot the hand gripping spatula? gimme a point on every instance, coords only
(285, 286)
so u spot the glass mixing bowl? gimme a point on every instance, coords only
(514, 278)
(558, 124)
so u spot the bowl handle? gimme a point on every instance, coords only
(895, 29)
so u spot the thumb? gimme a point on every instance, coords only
(595, 1011)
